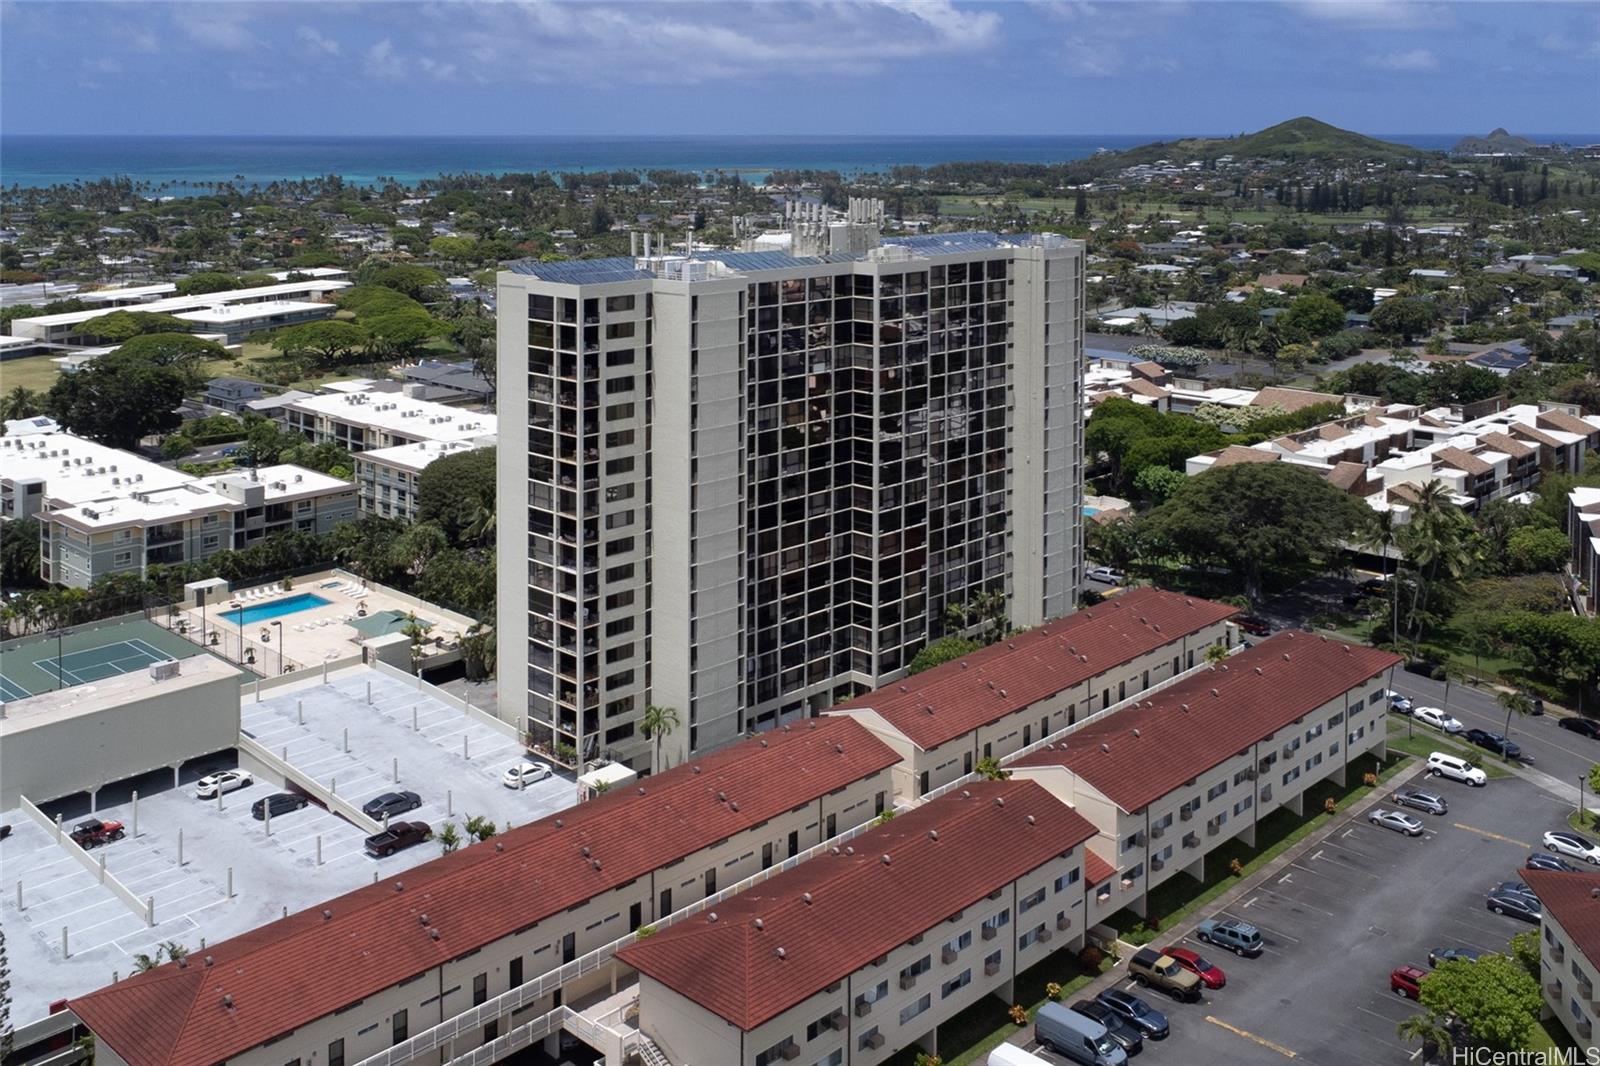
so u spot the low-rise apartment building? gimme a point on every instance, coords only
(853, 955)
(386, 478)
(1583, 524)
(1569, 948)
(1384, 453)
(360, 421)
(1004, 697)
(138, 528)
(371, 969)
(1169, 779)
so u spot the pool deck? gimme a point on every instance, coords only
(317, 634)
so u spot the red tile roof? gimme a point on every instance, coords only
(1139, 754)
(1572, 900)
(1095, 869)
(942, 858)
(1292, 400)
(290, 972)
(1464, 461)
(1568, 423)
(1239, 453)
(1003, 678)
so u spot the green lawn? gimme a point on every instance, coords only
(972, 1034)
(1549, 1036)
(34, 372)
(1173, 900)
(1424, 740)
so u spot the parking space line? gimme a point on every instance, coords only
(1252, 1037)
(1491, 836)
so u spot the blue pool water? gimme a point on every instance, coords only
(1087, 511)
(276, 609)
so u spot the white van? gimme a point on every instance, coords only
(1012, 1055)
(1442, 765)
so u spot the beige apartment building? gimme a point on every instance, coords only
(387, 478)
(1168, 780)
(379, 967)
(1569, 948)
(1002, 698)
(852, 956)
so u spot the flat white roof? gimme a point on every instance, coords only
(134, 505)
(128, 292)
(76, 470)
(225, 313)
(399, 413)
(419, 456)
(309, 272)
(177, 304)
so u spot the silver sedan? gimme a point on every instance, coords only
(1400, 823)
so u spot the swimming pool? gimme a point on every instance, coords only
(245, 616)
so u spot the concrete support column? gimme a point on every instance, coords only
(1298, 804)
(1197, 869)
(1248, 834)
(1341, 774)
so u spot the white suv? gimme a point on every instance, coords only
(1442, 765)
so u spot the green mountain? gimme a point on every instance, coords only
(1298, 138)
(1497, 143)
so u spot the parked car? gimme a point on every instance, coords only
(1418, 800)
(1515, 904)
(223, 781)
(1398, 703)
(1077, 1037)
(1141, 1015)
(390, 804)
(94, 832)
(1442, 765)
(278, 803)
(398, 837)
(1573, 846)
(1400, 823)
(1256, 627)
(1438, 719)
(525, 773)
(1210, 975)
(1584, 727)
(1407, 980)
(1107, 575)
(1154, 969)
(1241, 938)
(1535, 704)
(1495, 742)
(1538, 861)
(1516, 888)
(1438, 955)
(1118, 1028)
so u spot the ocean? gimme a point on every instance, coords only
(179, 165)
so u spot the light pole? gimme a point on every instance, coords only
(202, 593)
(283, 666)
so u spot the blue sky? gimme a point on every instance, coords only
(773, 66)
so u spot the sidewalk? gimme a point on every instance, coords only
(1118, 974)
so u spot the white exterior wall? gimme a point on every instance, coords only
(512, 563)
(1568, 979)
(690, 1034)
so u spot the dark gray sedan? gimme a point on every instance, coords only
(1419, 800)
(390, 804)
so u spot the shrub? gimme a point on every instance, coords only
(644, 931)
(1236, 868)
(1329, 805)
(1369, 779)
(1090, 958)
(1052, 990)
(1019, 1016)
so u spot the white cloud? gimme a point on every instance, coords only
(315, 42)
(1376, 14)
(1102, 38)
(436, 70)
(219, 26)
(1414, 60)
(382, 62)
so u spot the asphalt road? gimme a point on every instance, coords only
(1337, 920)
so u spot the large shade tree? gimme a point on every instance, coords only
(119, 399)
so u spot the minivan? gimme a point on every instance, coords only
(1075, 1037)
(1012, 1055)
(1442, 765)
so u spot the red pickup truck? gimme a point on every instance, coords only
(398, 837)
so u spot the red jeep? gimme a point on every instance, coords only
(94, 832)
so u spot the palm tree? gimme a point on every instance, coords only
(1380, 535)
(1515, 703)
(1435, 1038)
(20, 402)
(478, 650)
(1144, 325)
(989, 769)
(1436, 547)
(658, 723)
(480, 525)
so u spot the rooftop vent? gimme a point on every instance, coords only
(433, 934)
(499, 845)
(227, 1001)
(399, 886)
(991, 685)
(849, 849)
(805, 897)
(999, 801)
(422, 919)
(1258, 671)
(902, 688)
(641, 790)
(782, 954)
(733, 806)
(763, 742)
(1029, 819)
(1285, 656)
(209, 960)
(839, 748)
(1136, 732)
(712, 916)
(933, 834)
(327, 915)
(595, 863)
(759, 924)
(929, 708)
(1106, 748)
(722, 797)
(884, 859)
(559, 823)
(696, 770)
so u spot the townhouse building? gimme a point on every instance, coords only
(1169, 779)
(384, 965)
(1001, 698)
(140, 528)
(751, 484)
(1583, 525)
(1569, 949)
(852, 956)
(359, 420)
(386, 478)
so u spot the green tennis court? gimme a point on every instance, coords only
(40, 663)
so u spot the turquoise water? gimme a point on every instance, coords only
(1087, 511)
(276, 609)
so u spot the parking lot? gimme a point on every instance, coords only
(406, 729)
(1340, 918)
(308, 856)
